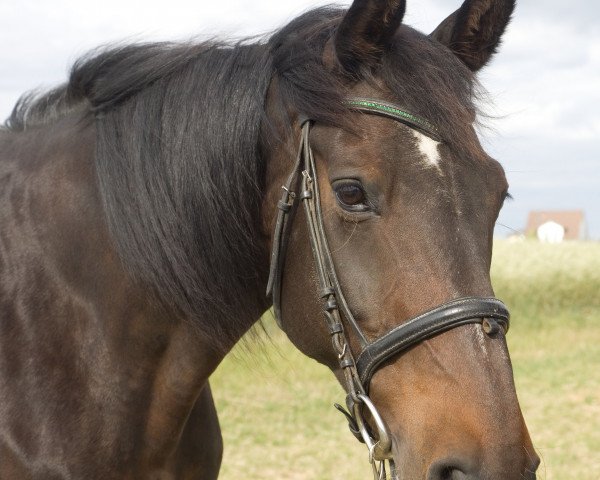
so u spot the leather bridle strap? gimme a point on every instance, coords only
(329, 287)
(285, 213)
(389, 110)
(286, 210)
(487, 311)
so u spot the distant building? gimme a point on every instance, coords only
(556, 226)
(551, 232)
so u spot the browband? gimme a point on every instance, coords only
(394, 112)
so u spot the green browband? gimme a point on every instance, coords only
(392, 111)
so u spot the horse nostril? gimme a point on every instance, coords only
(454, 469)
(446, 470)
(451, 473)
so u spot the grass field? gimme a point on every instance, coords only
(275, 404)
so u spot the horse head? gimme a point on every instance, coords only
(395, 237)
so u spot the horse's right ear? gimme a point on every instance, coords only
(473, 32)
(365, 32)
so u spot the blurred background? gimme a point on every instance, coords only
(542, 123)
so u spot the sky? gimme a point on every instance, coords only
(543, 107)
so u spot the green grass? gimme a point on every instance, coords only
(275, 405)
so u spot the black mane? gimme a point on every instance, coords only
(178, 130)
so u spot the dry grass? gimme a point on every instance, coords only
(554, 292)
(275, 405)
(278, 421)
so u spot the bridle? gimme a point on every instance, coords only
(491, 313)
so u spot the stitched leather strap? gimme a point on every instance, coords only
(285, 216)
(429, 324)
(389, 110)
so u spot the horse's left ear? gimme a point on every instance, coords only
(365, 32)
(473, 32)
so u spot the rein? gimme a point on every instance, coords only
(358, 370)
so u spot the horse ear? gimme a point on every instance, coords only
(365, 32)
(473, 32)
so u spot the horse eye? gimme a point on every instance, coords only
(351, 196)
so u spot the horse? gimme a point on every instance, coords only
(143, 219)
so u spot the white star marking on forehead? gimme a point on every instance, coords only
(428, 149)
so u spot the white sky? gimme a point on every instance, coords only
(545, 82)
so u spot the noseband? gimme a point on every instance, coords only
(358, 370)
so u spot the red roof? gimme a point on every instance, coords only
(573, 222)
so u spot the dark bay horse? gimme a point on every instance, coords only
(141, 206)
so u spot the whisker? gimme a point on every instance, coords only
(509, 228)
